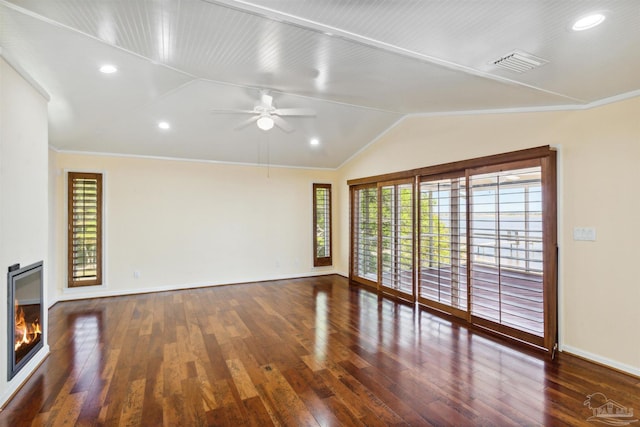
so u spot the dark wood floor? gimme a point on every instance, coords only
(295, 352)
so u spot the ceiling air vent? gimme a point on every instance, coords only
(519, 61)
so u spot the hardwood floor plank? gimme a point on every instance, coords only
(40, 420)
(207, 395)
(229, 403)
(344, 415)
(344, 393)
(307, 387)
(172, 409)
(258, 416)
(241, 379)
(284, 399)
(67, 414)
(153, 392)
(132, 407)
(333, 354)
(309, 379)
(356, 396)
(60, 402)
(194, 411)
(217, 368)
(93, 402)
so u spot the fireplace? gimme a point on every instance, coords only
(25, 314)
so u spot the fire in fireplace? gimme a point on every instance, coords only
(24, 316)
(27, 333)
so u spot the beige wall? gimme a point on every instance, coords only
(184, 224)
(599, 164)
(23, 195)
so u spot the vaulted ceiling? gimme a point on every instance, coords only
(361, 65)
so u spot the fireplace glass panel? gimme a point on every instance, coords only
(25, 315)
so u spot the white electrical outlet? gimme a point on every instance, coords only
(584, 233)
(136, 274)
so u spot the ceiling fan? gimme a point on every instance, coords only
(266, 115)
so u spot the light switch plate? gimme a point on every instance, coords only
(584, 233)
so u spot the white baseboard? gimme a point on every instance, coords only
(105, 292)
(633, 370)
(26, 371)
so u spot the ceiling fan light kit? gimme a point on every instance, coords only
(266, 115)
(265, 122)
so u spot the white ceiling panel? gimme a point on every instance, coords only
(228, 45)
(360, 64)
(473, 33)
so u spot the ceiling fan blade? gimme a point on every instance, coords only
(295, 112)
(232, 111)
(246, 123)
(282, 124)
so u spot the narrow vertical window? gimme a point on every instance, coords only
(84, 229)
(321, 225)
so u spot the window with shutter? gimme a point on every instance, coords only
(364, 250)
(396, 238)
(443, 244)
(322, 225)
(84, 229)
(506, 248)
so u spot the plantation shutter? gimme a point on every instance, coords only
(322, 224)
(506, 249)
(442, 238)
(396, 238)
(365, 235)
(85, 229)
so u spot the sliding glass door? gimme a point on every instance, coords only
(506, 241)
(442, 238)
(475, 239)
(396, 238)
(364, 245)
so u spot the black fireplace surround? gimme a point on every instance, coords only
(25, 309)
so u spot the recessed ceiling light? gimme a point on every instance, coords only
(164, 125)
(314, 141)
(588, 21)
(108, 69)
